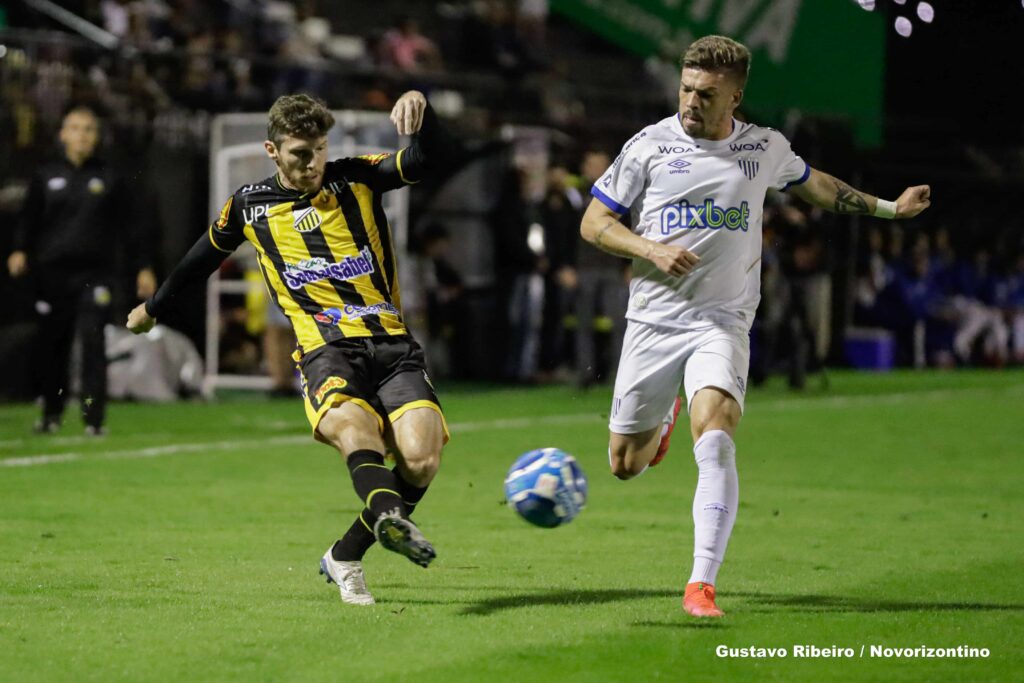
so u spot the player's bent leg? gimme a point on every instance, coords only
(714, 416)
(419, 435)
(630, 454)
(358, 437)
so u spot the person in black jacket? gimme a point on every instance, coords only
(73, 218)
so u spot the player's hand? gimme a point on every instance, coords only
(145, 284)
(407, 114)
(672, 260)
(139, 321)
(913, 201)
(17, 264)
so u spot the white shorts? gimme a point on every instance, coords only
(656, 360)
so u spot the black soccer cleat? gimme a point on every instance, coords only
(401, 536)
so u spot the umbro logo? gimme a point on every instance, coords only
(679, 165)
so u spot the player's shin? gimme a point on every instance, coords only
(375, 483)
(715, 503)
(359, 537)
(411, 495)
(357, 540)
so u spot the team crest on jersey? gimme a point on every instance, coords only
(307, 219)
(749, 167)
(96, 185)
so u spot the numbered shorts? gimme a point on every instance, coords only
(656, 360)
(386, 376)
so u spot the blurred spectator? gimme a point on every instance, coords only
(436, 316)
(602, 291)
(662, 70)
(520, 280)
(532, 18)
(491, 41)
(796, 295)
(929, 311)
(404, 47)
(278, 345)
(559, 101)
(972, 303)
(1011, 300)
(560, 216)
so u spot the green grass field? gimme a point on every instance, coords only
(184, 546)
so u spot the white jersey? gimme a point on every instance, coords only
(706, 196)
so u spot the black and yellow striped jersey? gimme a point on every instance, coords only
(328, 258)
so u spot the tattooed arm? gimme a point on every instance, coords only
(832, 194)
(601, 227)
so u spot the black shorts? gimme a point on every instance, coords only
(386, 376)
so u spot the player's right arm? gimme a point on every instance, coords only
(602, 228)
(205, 256)
(27, 228)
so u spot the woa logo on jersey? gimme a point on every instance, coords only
(709, 216)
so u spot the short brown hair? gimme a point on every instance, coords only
(301, 116)
(718, 53)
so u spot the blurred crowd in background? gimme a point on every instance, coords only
(946, 290)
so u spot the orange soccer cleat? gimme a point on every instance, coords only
(667, 436)
(699, 600)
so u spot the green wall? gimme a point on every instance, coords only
(820, 56)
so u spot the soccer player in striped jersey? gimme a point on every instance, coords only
(694, 185)
(327, 255)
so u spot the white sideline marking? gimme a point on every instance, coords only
(787, 404)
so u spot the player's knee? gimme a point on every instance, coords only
(622, 465)
(420, 468)
(622, 472)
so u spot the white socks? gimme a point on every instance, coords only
(714, 504)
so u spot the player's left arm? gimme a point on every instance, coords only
(830, 193)
(430, 147)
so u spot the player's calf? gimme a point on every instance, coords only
(630, 454)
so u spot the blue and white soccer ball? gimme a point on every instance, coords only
(546, 487)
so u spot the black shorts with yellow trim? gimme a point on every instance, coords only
(386, 376)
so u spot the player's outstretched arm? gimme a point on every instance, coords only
(601, 227)
(201, 260)
(407, 114)
(834, 195)
(431, 148)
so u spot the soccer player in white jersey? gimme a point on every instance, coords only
(694, 185)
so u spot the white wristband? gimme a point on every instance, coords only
(885, 209)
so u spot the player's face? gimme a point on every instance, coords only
(79, 134)
(300, 161)
(707, 100)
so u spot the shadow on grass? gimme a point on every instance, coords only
(844, 603)
(690, 623)
(563, 597)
